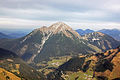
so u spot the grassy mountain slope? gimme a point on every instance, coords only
(14, 66)
(5, 75)
(99, 66)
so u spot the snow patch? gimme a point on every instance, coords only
(95, 39)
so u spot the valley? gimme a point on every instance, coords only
(100, 66)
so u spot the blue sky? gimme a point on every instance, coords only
(92, 14)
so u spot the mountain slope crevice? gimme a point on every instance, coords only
(44, 39)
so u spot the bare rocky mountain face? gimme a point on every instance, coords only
(57, 40)
(57, 28)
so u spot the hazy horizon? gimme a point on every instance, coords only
(36, 27)
(76, 27)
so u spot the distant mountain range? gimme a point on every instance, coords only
(11, 33)
(83, 32)
(115, 33)
(2, 35)
(57, 40)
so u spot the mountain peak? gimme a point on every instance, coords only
(57, 28)
(61, 26)
(59, 23)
